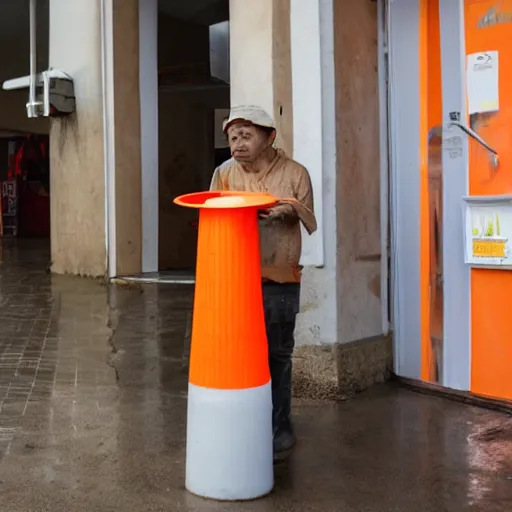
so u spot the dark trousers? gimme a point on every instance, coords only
(281, 305)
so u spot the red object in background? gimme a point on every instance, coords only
(30, 162)
(31, 153)
(34, 214)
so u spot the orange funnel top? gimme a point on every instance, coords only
(221, 199)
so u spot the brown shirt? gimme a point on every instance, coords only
(280, 241)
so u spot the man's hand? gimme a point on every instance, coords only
(279, 213)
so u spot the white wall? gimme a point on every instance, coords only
(314, 143)
(251, 53)
(73, 24)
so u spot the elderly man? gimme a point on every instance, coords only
(257, 166)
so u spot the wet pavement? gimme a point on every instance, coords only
(93, 404)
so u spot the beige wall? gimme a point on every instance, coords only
(251, 47)
(261, 61)
(128, 188)
(282, 68)
(76, 142)
(355, 33)
(78, 217)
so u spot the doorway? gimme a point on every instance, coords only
(193, 91)
(190, 94)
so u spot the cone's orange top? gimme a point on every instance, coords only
(229, 347)
(239, 200)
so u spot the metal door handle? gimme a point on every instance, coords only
(471, 133)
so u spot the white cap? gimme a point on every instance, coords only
(251, 113)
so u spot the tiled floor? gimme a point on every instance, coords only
(93, 404)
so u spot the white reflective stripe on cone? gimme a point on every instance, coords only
(229, 443)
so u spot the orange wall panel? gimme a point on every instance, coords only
(426, 351)
(491, 316)
(491, 324)
(496, 129)
(435, 101)
(430, 117)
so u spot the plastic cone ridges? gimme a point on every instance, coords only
(229, 420)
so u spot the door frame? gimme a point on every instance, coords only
(455, 164)
(404, 139)
(407, 40)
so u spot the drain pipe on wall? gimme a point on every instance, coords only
(32, 105)
(109, 157)
(384, 164)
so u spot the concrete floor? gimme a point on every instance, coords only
(93, 402)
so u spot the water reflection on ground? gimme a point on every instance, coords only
(93, 415)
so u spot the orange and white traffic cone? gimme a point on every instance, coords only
(229, 421)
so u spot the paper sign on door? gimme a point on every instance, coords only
(482, 77)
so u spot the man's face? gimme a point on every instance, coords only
(247, 142)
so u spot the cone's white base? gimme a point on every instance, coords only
(229, 443)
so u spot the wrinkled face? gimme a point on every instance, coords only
(247, 142)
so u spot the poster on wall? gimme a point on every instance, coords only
(488, 231)
(482, 81)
